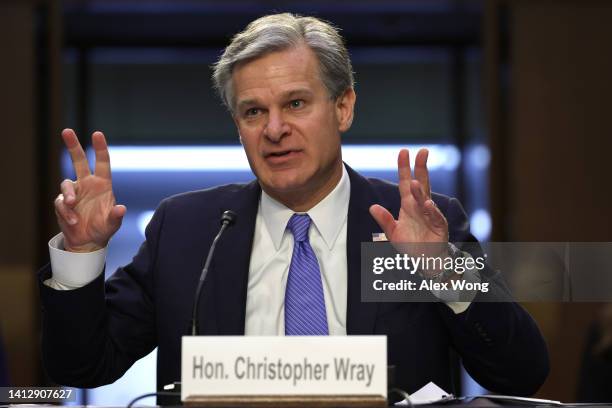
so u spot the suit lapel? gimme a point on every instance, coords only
(231, 263)
(360, 316)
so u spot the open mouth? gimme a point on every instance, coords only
(281, 157)
(280, 154)
(283, 153)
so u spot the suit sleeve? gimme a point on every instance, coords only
(500, 344)
(93, 334)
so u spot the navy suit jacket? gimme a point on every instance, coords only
(93, 334)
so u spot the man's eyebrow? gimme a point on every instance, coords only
(246, 102)
(297, 92)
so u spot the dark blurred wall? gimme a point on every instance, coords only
(28, 104)
(174, 102)
(551, 149)
(18, 217)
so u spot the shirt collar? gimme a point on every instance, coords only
(328, 215)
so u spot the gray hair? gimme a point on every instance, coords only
(279, 32)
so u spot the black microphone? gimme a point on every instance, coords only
(227, 219)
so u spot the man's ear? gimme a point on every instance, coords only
(345, 105)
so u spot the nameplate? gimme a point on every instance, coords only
(219, 366)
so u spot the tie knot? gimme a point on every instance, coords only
(298, 225)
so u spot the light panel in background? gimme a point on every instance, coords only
(233, 158)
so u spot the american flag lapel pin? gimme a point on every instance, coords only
(379, 237)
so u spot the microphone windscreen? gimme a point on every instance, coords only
(228, 217)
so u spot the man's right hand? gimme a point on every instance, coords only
(86, 210)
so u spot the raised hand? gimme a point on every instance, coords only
(419, 219)
(86, 210)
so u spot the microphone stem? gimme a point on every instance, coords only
(194, 315)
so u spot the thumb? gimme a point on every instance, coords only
(384, 219)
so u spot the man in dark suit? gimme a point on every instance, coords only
(288, 84)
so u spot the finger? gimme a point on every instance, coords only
(403, 165)
(384, 219)
(404, 172)
(416, 188)
(434, 215)
(115, 216)
(68, 191)
(102, 168)
(79, 160)
(420, 170)
(64, 213)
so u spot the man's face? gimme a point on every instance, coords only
(288, 124)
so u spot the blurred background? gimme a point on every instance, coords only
(511, 97)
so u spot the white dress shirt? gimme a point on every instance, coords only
(271, 258)
(269, 266)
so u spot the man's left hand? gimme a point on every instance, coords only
(419, 220)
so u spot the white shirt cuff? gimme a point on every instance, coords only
(459, 301)
(72, 270)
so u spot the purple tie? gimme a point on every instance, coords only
(304, 301)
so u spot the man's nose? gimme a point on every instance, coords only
(277, 127)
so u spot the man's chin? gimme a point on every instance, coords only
(283, 186)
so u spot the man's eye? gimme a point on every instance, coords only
(252, 112)
(296, 103)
